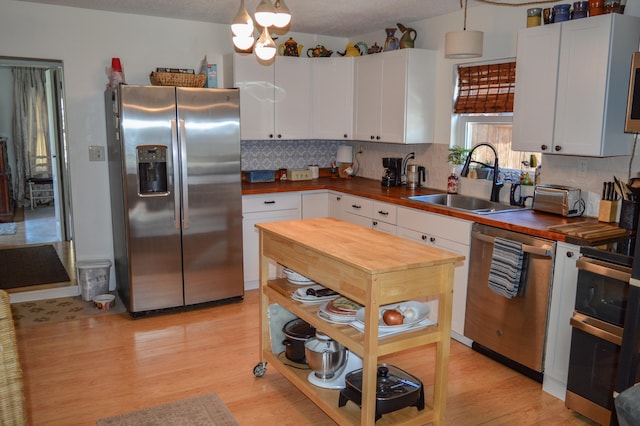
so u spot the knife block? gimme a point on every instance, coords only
(608, 211)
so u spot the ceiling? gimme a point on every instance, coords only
(339, 18)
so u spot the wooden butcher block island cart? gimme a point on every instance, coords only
(373, 269)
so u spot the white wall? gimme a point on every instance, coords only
(86, 40)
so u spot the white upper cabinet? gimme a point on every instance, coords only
(394, 96)
(332, 98)
(274, 99)
(572, 81)
(256, 84)
(292, 94)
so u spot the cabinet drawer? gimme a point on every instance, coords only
(453, 229)
(357, 205)
(269, 202)
(385, 212)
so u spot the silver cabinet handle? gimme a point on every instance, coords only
(605, 269)
(176, 174)
(185, 176)
(540, 251)
(597, 328)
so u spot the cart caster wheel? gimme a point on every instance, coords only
(260, 369)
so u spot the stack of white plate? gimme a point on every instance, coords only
(339, 310)
(301, 295)
(295, 278)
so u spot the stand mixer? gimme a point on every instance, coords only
(392, 171)
(354, 362)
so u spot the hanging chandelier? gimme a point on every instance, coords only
(266, 15)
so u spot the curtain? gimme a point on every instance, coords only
(486, 88)
(30, 128)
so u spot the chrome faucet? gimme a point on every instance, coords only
(497, 184)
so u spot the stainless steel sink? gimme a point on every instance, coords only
(465, 203)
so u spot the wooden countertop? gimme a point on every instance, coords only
(349, 243)
(525, 221)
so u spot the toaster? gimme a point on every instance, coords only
(558, 199)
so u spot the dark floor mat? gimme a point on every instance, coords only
(27, 266)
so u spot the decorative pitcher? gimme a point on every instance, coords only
(408, 37)
(391, 43)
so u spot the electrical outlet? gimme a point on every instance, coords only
(96, 153)
(360, 150)
(582, 169)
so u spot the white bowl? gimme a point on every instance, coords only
(104, 301)
(296, 278)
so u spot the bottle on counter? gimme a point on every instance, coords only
(452, 182)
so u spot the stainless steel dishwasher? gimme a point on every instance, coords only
(512, 331)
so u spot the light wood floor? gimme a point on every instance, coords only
(79, 371)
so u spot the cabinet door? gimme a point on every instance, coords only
(460, 276)
(256, 84)
(315, 204)
(292, 98)
(332, 98)
(368, 96)
(593, 82)
(393, 96)
(558, 343)
(582, 77)
(258, 209)
(537, 57)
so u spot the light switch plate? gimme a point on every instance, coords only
(96, 153)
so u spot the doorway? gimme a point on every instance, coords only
(43, 211)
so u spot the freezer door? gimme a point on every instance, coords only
(152, 236)
(209, 132)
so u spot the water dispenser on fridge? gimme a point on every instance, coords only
(152, 170)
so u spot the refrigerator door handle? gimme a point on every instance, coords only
(185, 183)
(176, 174)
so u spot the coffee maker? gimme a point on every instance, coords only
(392, 171)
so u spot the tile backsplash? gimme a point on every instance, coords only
(556, 169)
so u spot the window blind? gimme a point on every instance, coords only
(485, 88)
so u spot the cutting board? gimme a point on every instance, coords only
(590, 230)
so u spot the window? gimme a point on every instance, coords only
(483, 113)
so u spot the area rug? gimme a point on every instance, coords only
(8, 228)
(50, 311)
(26, 266)
(201, 410)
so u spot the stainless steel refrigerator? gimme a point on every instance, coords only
(176, 196)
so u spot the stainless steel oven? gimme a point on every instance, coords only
(597, 328)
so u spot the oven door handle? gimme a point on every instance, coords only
(597, 328)
(540, 251)
(605, 269)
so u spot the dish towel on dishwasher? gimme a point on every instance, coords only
(505, 271)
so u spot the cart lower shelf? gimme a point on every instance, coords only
(327, 399)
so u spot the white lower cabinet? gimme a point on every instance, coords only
(449, 234)
(258, 209)
(315, 204)
(563, 296)
(363, 211)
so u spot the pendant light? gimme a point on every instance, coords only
(463, 44)
(282, 17)
(265, 47)
(266, 15)
(242, 29)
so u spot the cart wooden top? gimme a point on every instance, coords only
(365, 249)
